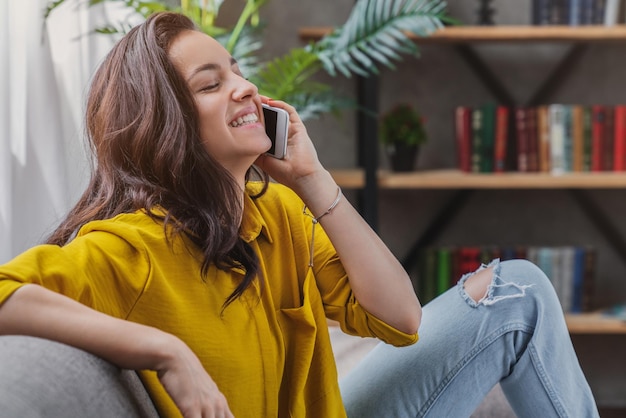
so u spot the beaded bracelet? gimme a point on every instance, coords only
(315, 220)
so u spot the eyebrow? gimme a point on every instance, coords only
(209, 67)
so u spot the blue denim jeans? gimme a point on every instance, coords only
(516, 335)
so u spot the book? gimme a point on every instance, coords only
(619, 144)
(477, 139)
(540, 12)
(611, 12)
(557, 138)
(468, 259)
(578, 139)
(589, 279)
(575, 12)
(463, 129)
(578, 275)
(444, 269)
(608, 138)
(425, 287)
(533, 139)
(568, 146)
(488, 137)
(597, 137)
(521, 131)
(566, 289)
(543, 133)
(501, 139)
(587, 138)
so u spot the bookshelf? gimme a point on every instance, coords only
(456, 179)
(369, 178)
(508, 34)
(594, 323)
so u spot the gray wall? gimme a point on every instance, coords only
(439, 81)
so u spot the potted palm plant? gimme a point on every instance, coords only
(402, 132)
(375, 33)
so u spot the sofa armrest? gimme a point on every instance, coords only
(42, 378)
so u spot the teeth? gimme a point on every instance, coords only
(244, 120)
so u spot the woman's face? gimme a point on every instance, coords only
(229, 107)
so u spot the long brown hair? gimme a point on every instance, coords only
(143, 131)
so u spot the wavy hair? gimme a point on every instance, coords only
(143, 131)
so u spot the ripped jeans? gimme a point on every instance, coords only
(515, 335)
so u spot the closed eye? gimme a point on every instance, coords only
(209, 87)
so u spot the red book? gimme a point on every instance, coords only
(597, 137)
(463, 128)
(468, 259)
(501, 139)
(619, 154)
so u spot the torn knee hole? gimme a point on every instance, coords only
(477, 285)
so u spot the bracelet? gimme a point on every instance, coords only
(315, 221)
(330, 208)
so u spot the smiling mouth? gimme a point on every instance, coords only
(244, 120)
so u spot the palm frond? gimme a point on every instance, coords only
(376, 31)
(315, 104)
(288, 74)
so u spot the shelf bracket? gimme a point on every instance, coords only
(558, 75)
(599, 219)
(436, 226)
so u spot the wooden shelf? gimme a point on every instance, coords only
(594, 323)
(525, 34)
(455, 179)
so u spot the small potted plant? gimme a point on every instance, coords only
(402, 132)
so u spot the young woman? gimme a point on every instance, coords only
(217, 288)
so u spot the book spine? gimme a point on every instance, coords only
(575, 12)
(619, 154)
(501, 139)
(597, 137)
(577, 280)
(543, 132)
(587, 138)
(589, 279)
(444, 270)
(489, 124)
(533, 139)
(477, 139)
(611, 10)
(578, 145)
(463, 127)
(521, 139)
(608, 143)
(557, 139)
(568, 140)
(599, 11)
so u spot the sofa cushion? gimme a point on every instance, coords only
(42, 378)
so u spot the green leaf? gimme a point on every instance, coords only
(382, 25)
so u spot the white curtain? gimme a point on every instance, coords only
(44, 76)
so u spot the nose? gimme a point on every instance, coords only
(244, 89)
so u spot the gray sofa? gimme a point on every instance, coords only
(41, 378)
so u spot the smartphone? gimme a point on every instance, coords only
(276, 124)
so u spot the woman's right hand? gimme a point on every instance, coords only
(190, 386)
(36, 311)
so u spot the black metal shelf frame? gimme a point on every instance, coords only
(367, 91)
